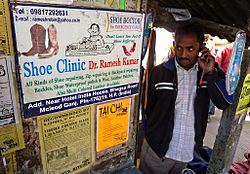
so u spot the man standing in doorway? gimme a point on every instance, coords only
(178, 98)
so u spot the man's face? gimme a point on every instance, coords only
(187, 50)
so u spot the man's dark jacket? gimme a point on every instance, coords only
(162, 92)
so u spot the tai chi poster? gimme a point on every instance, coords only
(70, 57)
(112, 123)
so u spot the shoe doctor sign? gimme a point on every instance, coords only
(70, 56)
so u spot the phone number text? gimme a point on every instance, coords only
(51, 12)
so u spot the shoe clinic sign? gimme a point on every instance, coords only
(71, 56)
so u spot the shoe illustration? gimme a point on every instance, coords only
(53, 43)
(37, 33)
(125, 51)
(133, 48)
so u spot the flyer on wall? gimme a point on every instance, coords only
(112, 123)
(6, 44)
(67, 140)
(8, 108)
(107, 4)
(71, 56)
(11, 138)
(131, 5)
(244, 102)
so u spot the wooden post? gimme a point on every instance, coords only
(229, 130)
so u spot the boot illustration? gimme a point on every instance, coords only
(133, 48)
(126, 52)
(37, 33)
(53, 43)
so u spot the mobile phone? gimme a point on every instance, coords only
(201, 48)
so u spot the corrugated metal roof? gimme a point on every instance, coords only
(235, 13)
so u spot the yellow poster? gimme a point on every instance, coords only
(112, 123)
(11, 138)
(244, 102)
(67, 140)
(6, 42)
(10, 163)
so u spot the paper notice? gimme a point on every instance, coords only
(67, 140)
(112, 123)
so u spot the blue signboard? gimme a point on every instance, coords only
(233, 72)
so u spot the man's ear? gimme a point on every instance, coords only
(202, 46)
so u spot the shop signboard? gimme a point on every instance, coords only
(72, 56)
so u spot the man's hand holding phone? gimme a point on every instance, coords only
(206, 61)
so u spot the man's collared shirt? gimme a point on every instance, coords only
(181, 147)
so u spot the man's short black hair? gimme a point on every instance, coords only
(191, 27)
